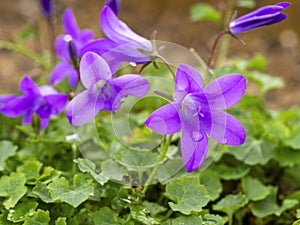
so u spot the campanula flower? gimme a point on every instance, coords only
(121, 43)
(41, 101)
(114, 5)
(197, 111)
(266, 15)
(103, 91)
(46, 7)
(67, 49)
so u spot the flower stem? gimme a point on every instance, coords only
(165, 61)
(164, 150)
(213, 49)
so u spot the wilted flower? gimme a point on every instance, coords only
(41, 101)
(121, 43)
(46, 8)
(104, 92)
(114, 5)
(197, 112)
(67, 49)
(266, 15)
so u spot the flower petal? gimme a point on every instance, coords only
(187, 80)
(114, 5)
(17, 106)
(44, 122)
(62, 70)
(61, 48)
(28, 87)
(164, 120)
(70, 24)
(225, 91)
(56, 102)
(82, 108)
(93, 68)
(226, 129)
(193, 152)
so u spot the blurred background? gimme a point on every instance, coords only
(171, 18)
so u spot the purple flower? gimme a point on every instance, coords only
(46, 7)
(41, 101)
(121, 43)
(114, 5)
(266, 15)
(67, 49)
(197, 111)
(104, 92)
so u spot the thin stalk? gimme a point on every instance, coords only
(209, 71)
(213, 49)
(164, 150)
(166, 63)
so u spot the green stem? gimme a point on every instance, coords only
(166, 63)
(213, 49)
(164, 150)
(21, 49)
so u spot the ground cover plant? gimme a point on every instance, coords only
(124, 129)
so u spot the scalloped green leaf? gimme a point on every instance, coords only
(7, 149)
(42, 191)
(37, 218)
(268, 206)
(61, 221)
(231, 203)
(212, 183)
(211, 219)
(254, 189)
(286, 156)
(13, 188)
(31, 169)
(80, 191)
(112, 170)
(188, 194)
(187, 220)
(140, 214)
(18, 213)
(154, 208)
(105, 216)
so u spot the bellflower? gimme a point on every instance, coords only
(41, 101)
(197, 111)
(46, 8)
(121, 43)
(67, 49)
(103, 91)
(114, 5)
(264, 16)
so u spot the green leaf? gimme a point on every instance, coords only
(202, 11)
(18, 213)
(254, 189)
(112, 170)
(253, 151)
(37, 218)
(231, 203)
(140, 214)
(31, 169)
(187, 220)
(154, 208)
(42, 191)
(49, 174)
(79, 192)
(269, 206)
(169, 169)
(210, 219)
(105, 216)
(298, 213)
(4, 221)
(187, 193)
(286, 156)
(297, 222)
(293, 140)
(7, 149)
(212, 183)
(13, 188)
(258, 62)
(246, 4)
(61, 221)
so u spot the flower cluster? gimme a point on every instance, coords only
(196, 110)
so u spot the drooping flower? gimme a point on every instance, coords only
(46, 8)
(197, 111)
(41, 101)
(67, 49)
(114, 5)
(103, 91)
(121, 43)
(263, 16)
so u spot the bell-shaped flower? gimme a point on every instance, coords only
(121, 43)
(114, 5)
(46, 8)
(41, 101)
(103, 91)
(197, 111)
(74, 39)
(263, 16)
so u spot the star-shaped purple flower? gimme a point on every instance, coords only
(104, 92)
(121, 43)
(197, 112)
(41, 101)
(264, 16)
(74, 39)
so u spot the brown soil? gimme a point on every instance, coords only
(280, 43)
